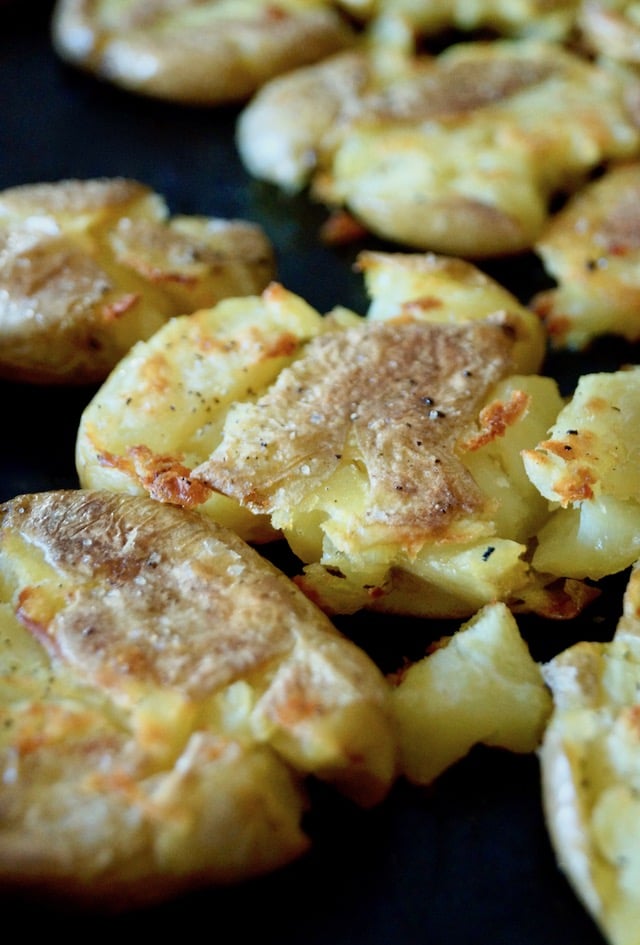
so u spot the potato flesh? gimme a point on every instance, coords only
(587, 469)
(90, 267)
(590, 771)
(171, 395)
(591, 248)
(195, 390)
(480, 687)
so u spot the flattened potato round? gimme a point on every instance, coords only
(88, 267)
(195, 52)
(165, 691)
(459, 153)
(591, 771)
(592, 250)
(386, 448)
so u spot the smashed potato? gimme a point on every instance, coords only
(204, 52)
(88, 267)
(591, 771)
(164, 694)
(385, 449)
(459, 153)
(587, 469)
(479, 686)
(591, 248)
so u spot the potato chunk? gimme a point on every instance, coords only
(588, 470)
(591, 771)
(479, 686)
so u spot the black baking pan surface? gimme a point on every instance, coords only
(465, 862)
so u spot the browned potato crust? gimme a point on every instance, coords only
(164, 693)
(195, 52)
(88, 267)
(459, 153)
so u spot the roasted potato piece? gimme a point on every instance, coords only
(433, 288)
(165, 693)
(385, 449)
(587, 468)
(460, 153)
(479, 686)
(591, 248)
(198, 52)
(161, 411)
(591, 771)
(88, 267)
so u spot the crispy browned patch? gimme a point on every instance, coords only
(165, 478)
(157, 594)
(496, 418)
(401, 395)
(577, 487)
(115, 310)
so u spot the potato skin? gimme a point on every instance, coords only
(89, 267)
(165, 693)
(479, 686)
(192, 52)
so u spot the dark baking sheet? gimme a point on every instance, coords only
(466, 862)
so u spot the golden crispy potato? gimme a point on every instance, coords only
(161, 411)
(165, 692)
(385, 449)
(591, 772)
(587, 468)
(479, 686)
(592, 250)
(204, 52)
(548, 19)
(459, 153)
(88, 267)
